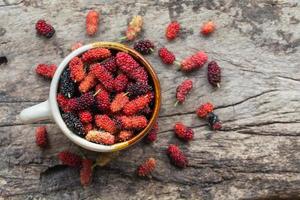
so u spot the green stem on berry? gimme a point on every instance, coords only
(125, 94)
(122, 39)
(178, 64)
(176, 103)
(152, 50)
(94, 165)
(218, 85)
(97, 92)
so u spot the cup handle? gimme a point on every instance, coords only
(36, 113)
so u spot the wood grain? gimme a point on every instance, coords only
(255, 156)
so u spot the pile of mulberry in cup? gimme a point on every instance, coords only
(105, 94)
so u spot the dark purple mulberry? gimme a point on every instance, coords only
(73, 123)
(214, 74)
(144, 46)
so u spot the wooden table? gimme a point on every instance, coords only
(255, 156)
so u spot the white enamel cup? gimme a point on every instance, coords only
(50, 110)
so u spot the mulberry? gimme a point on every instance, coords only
(147, 167)
(85, 117)
(125, 62)
(92, 21)
(110, 64)
(172, 30)
(183, 89)
(76, 67)
(83, 102)
(106, 123)
(176, 156)
(103, 75)
(144, 46)
(213, 121)
(44, 29)
(137, 104)
(63, 103)
(183, 132)
(86, 172)
(120, 83)
(87, 127)
(66, 85)
(41, 136)
(46, 71)
(76, 45)
(102, 98)
(137, 89)
(133, 122)
(70, 159)
(134, 27)
(214, 74)
(73, 123)
(100, 137)
(88, 82)
(204, 110)
(194, 62)
(207, 28)
(152, 135)
(119, 102)
(125, 135)
(139, 75)
(166, 56)
(96, 54)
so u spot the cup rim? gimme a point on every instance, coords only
(81, 141)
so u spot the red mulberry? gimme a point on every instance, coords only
(144, 46)
(102, 98)
(119, 102)
(46, 71)
(176, 156)
(92, 21)
(133, 122)
(70, 159)
(110, 64)
(194, 62)
(85, 101)
(125, 135)
(213, 121)
(125, 62)
(139, 75)
(76, 67)
(120, 83)
(214, 74)
(166, 56)
(85, 117)
(152, 135)
(172, 30)
(88, 83)
(63, 103)
(137, 104)
(100, 137)
(147, 167)
(204, 110)
(207, 28)
(73, 123)
(96, 54)
(87, 128)
(103, 75)
(44, 29)
(106, 123)
(41, 136)
(134, 27)
(183, 132)
(86, 172)
(183, 89)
